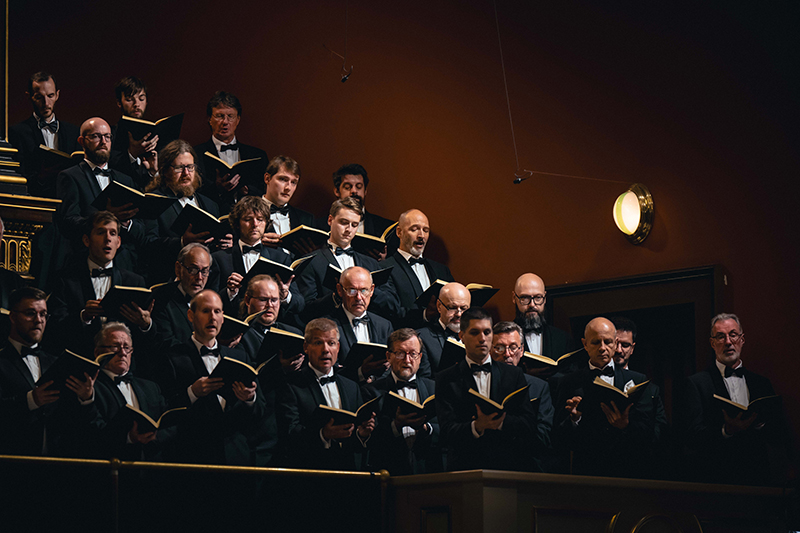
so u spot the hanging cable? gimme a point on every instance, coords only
(345, 73)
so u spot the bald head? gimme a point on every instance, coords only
(413, 230)
(91, 125)
(454, 299)
(600, 341)
(529, 298)
(95, 139)
(355, 289)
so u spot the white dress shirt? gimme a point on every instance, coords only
(102, 284)
(419, 270)
(483, 384)
(229, 156)
(126, 390)
(188, 200)
(344, 260)
(736, 385)
(409, 434)
(361, 330)
(102, 181)
(50, 138)
(34, 366)
(210, 361)
(534, 342)
(280, 222)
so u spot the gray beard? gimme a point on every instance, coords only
(534, 323)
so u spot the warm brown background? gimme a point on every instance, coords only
(699, 104)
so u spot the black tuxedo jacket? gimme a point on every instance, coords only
(379, 330)
(120, 160)
(163, 249)
(254, 337)
(171, 326)
(255, 187)
(502, 449)
(390, 451)
(210, 434)
(599, 448)
(433, 338)
(73, 289)
(77, 188)
(544, 422)
(403, 288)
(555, 342)
(230, 260)
(739, 459)
(110, 421)
(26, 137)
(318, 299)
(299, 424)
(23, 429)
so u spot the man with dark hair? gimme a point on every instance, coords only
(749, 449)
(281, 179)
(42, 128)
(135, 158)
(27, 409)
(344, 218)
(507, 348)
(356, 324)
(404, 443)
(452, 301)
(475, 439)
(606, 440)
(308, 440)
(248, 220)
(224, 112)
(81, 184)
(75, 302)
(215, 431)
(626, 340)
(412, 274)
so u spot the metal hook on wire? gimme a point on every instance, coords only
(519, 177)
(345, 73)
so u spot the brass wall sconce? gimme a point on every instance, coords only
(633, 213)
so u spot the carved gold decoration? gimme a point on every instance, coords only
(16, 249)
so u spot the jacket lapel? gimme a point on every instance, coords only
(719, 385)
(238, 262)
(90, 179)
(412, 278)
(11, 353)
(494, 386)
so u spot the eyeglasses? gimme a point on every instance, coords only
(223, 116)
(734, 336)
(538, 299)
(501, 349)
(30, 314)
(98, 136)
(178, 169)
(414, 355)
(457, 308)
(272, 302)
(118, 348)
(355, 292)
(194, 271)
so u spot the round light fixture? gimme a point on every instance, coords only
(633, 213)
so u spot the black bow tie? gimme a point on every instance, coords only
(282, 210)
(226, 147)
(255, 248)
(52, 126)
(101, 171)
(485, 367)
(607, 371)
(123, 378)
(325, 380)
(738, 372)
(363, 320)
(102, 272)
(339, 251)
(416, 261)
(205, 350)
(406, 384)
(27, 350)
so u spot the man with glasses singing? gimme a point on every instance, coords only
(540, 337)
(404, 443)
(80, 185)
(507, 348)
(356, 324)
(453, 300)
(730, 449)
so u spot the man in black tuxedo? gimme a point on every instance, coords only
(42, 128)
(81, 184)
(356, 324)
(352, 180)
(75, 302)
(474, 439)
(320, 300)
(112, 431)
(507, 348)
(308, 437)
(215, 429)
(224, 112)
(248, 220)
(453, 300)
(280, 180)
(626, 340)
(605, 440)
(137, 159)
(726, 449)
(178, 178)
(412, 274)
(404, 443)
(27, 409)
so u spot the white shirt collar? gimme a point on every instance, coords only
(610, 363)
(93, 265)
(19, 345)
(407, 255)
(38, 118)
(218, 144)
(471, 362)
(320, 374)
(396, 379)
(199, 344)
(722, 367)
(351, 316)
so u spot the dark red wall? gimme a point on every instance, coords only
(698, 104)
